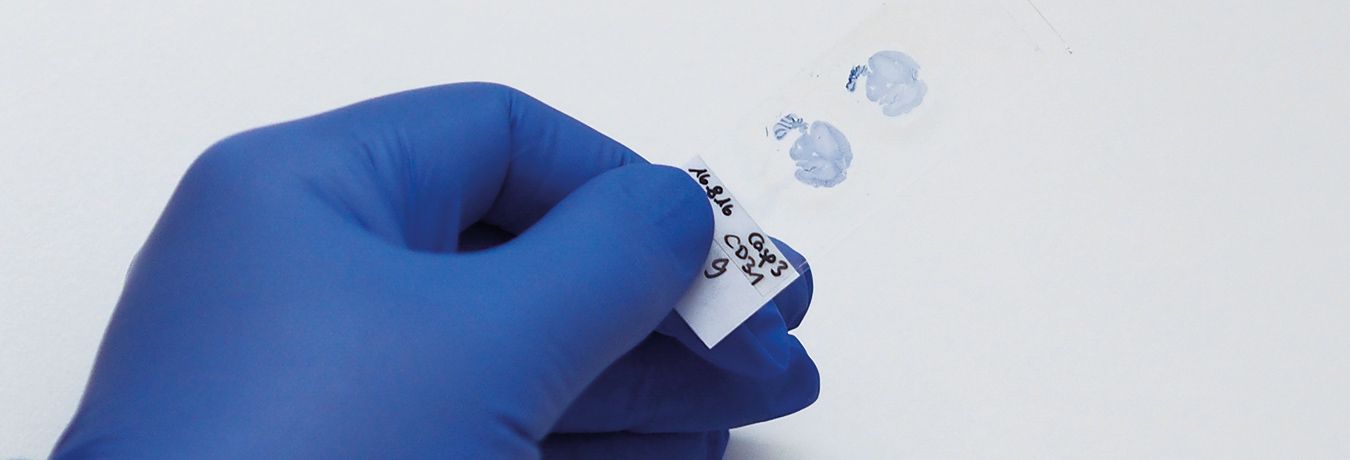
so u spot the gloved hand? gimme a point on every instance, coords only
(453, 272)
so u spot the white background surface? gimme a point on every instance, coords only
(1155, 269)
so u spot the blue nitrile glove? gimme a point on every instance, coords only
(350, 285)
